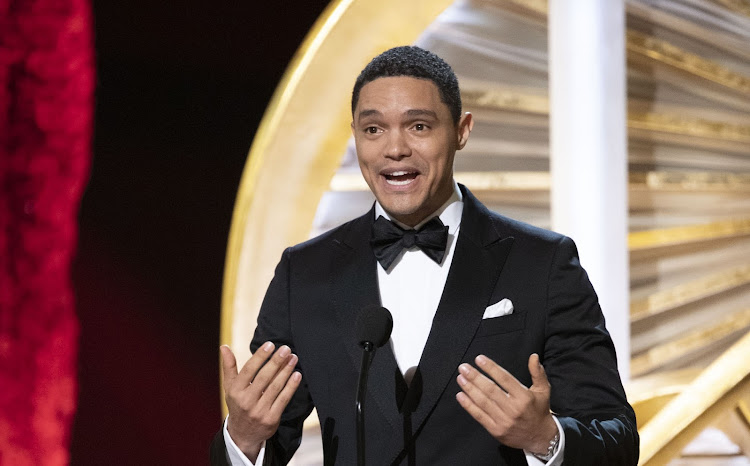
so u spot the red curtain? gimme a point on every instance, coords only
(46, 108)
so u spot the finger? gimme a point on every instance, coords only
(502, 377)
(482, 391)
(538, 374)
(228, 365)
(270, 369)
(278, 382)
(475, 411)
(253, 365)
(286, 394)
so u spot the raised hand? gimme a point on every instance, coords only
(257, 394)
(515, 415)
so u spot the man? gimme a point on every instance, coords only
(462, 380)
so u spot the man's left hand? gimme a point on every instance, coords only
(515, 415)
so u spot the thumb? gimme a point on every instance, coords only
(538, 375)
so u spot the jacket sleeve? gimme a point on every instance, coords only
(580, 361)
(218, 450)
(274, 325)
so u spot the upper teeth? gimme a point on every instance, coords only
(401, 173)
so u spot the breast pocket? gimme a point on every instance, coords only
(502, 324)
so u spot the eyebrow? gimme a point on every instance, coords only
(418, 112)
(415, 112)
(367, 113)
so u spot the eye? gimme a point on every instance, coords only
(420, 127)
(371, 130)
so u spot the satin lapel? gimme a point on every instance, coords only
(354, 288)
(479, 257)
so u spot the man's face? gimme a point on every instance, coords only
(406, 141)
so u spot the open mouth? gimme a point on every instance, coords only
(400, 178)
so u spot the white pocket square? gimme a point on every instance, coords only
(501, 308)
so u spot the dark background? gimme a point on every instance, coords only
(181, 89)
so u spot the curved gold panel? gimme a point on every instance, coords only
(664, 52)
(690, 343)
(689, 292)
(299, 144)
(643, 240)
(690, 181)
(648, 395)
(697, 127)
(738, 6)
(503, 98)
(718, 389)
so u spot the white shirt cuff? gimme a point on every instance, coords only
(557, 457)
(235, 455)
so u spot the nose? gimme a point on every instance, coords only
(397, 145)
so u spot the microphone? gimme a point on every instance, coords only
(374, 325)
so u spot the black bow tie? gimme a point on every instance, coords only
(388, 239)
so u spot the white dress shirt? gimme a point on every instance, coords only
(411, 289)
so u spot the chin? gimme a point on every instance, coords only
(399, 207)
(396, 212)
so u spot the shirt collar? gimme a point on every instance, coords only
(449, 213)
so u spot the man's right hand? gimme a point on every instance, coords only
(257, 394)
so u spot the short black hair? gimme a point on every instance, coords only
(418, 63)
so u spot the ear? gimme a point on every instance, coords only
(352, 126)
(465, 125)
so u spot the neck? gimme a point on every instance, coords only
(412, 220)
(416, 219)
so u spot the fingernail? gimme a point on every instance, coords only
(297, 376)
(284, 351)
(464, 369)
(293, 360)
(462, 380)
(268, 347)
(481, 360)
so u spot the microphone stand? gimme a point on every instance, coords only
(367, 355)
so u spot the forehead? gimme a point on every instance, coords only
(400, 94)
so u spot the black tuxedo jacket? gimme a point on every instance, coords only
(321, 285)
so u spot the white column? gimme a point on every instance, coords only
(588, 149)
